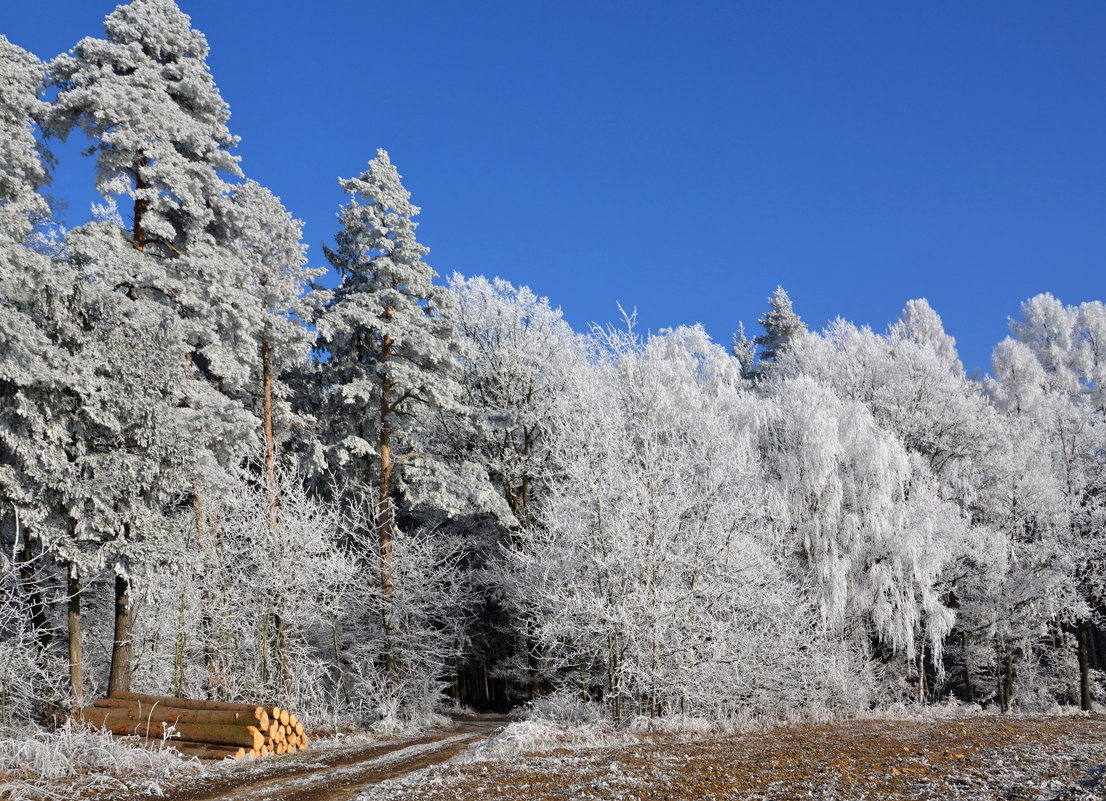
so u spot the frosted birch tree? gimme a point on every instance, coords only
(867, 535)
(1069, 344)
(913, 385)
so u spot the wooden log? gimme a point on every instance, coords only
(292, 721)
(162, 714)
(203, 751)
(274, 713)
(204, 733)
(222, 734)
(299, 728)
(184, 703)
(284, 717)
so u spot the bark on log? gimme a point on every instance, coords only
(166, 714)
(208, 733)
(199, 724)
(245, 736)
(203, 751)
(185, 703)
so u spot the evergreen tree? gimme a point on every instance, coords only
(144, 97)
(392, 359)
(34, 294)
(264, 248)
(781, 326)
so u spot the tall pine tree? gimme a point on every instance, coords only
(391, 358)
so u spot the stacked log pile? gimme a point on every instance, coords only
(204, 729)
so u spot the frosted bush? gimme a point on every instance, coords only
(71, 761)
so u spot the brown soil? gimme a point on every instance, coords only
(979, 758)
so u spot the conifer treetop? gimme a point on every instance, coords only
(156, 122)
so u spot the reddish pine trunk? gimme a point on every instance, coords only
(73, 620)
(384, 512)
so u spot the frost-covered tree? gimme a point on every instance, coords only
(391, 360)
(260, 241)
(39, 300)
(915, 388)
(865, 532)
(1063, 397)
(781, 327)
(24, 169)
(520, 356)
(646, 581)
(145, 99)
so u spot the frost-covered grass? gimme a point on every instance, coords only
(72, 762)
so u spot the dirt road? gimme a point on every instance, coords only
(338, 774)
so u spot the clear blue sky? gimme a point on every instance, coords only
(685, 157)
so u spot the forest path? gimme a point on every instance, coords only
(340, 774)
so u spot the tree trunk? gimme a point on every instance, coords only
(36, 603)
(122, 648)
(180, 649)
(1008, 683)
(922, 690)
(1084, 666)
(270, 440)
(385, 516)
(280, 648)
(138, 235)
(73, 621)
(968, 692)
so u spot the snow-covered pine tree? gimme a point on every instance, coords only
(144, 97)
(391, 358)
(157, 125)
(33, 302)
(744, 350)
(265, 241)
(264, 247)
(781, 326)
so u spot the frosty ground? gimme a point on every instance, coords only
(978, 757)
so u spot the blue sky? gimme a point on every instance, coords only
(684, 158)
